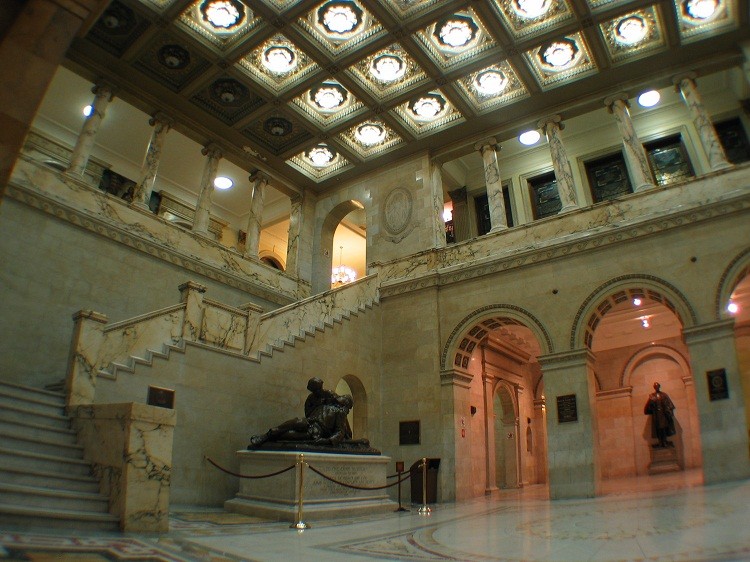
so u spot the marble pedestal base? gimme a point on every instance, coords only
(663, 460)
(277, 497)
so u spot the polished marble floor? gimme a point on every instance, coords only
(666, 517)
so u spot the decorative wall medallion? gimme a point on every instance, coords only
(398, 208)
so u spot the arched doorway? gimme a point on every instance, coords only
(507, 460)
(349, 384)
(343, 234)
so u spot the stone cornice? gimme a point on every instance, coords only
(112, 231)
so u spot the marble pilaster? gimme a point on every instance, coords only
(563, 173)
(161, 124)
(635, 155)
(717, 159)
(724, 439)
(436, 196)
(82, 151)
(460, 214)
(130, 448)
(572, 456)
(488, 387)
(295, 223)
(255, 217)
(203, 208)
(456, 465)
(488, 149)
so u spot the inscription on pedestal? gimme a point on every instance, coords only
(351, 475)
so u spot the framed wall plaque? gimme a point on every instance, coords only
(567, 408)
(408, 432)
(717, 385)
(162, 397)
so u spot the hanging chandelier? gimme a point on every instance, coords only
(342, 274)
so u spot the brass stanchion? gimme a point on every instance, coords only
(424, 508)
(400, 471)
(299, 524)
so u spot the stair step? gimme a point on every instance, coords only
(49, 463)
(31, 496)
(39, 405)
(19, 441)
(31, 392)
(63, 435)
(27, 476)
(17, 413)
(13, 516)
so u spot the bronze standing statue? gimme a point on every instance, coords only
(660, 407)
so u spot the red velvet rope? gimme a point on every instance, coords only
(359, 487)
(247, 476)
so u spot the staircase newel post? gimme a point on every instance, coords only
(84, 357)
(191, 293)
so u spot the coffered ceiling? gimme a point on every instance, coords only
(317, 92)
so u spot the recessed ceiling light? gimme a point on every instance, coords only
(529, 137)
(370, 134)
(631, 30)
(701, 9)
(87, 109)
(223, 182)
(649, 99)
(279, 59)
(491, 82)
(637, 301)
(733, 308)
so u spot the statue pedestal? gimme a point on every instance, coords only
(663, 460)
(277, 497)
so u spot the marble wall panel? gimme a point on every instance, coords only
(224, 327)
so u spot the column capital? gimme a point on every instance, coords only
(490, 142)
(103, 90)
(296, 198)
(258, 176)
(551, 119)
(212, 151)
(456, 377)
(609, 101)
(163, 118)
(678, 78)
(458, 195)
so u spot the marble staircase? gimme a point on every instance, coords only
(44, 479)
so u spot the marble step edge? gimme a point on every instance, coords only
(31, 456)
(113, 369)
(33, 390)
(51, 476)
(26, 411)
(73, 447)
(57, 404)
(67, 431)
(11, 509)
(51, 492)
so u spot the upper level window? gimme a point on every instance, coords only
(608, 177)
(733, 138)
(482, 207)
(544, 196)
(669, 160)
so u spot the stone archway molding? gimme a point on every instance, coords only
(734, 273)
(652, 352)
(323, 246)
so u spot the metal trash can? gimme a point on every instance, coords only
(432, 480)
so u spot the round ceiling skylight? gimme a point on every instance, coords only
(456, 32)
(223, 182)
(320, 156)
(529, 137)
(531, 9)
(631, 30)
(387, 67)
(427, 107)
(279, 59)
(701, 9)
(649, 99)
(340, 17)
(370, 134)
(491, 82)
(559, 54)
(329, 97)
(223, 15)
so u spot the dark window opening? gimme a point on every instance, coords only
(544, 196)
(733, 139)
(669, 160)
(482, 206)
(608, 177)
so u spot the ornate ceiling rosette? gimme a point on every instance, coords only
(278, 131)
(405, 10)
(699, 18)
(278, 64)
(388, 72)
(427, 113)
(526, 18)
(633, 35)
(340, 26)
(170, 63)
(327, 104)
(220, 23)
(227, 99)
(319, 162)
(557, 61)
(371, 138)
(454, 39)
(117, 29)
(492, 87)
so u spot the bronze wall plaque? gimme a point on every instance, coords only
(567, 409)
(717, 384)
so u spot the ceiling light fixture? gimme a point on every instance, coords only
(491, 82)
(649, 99)
(701, 9)
(279, 59)
(342, 274)
(370, 134)
(87, 110)
(340, 18)
(529, 137)
(329, 97)
(637, 301)
(320, 156)
(531, 9)
(223, 182)
(387, 68)
(560, 54)
(223, 14)
(631, 30)
(645, 322)
(733, 308)
(427, 107)
(457, 32)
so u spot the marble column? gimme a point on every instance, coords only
(456, 467)
(488, 388)
(563, 173)
(460, 214)
(572, 455)
(32, 47)
(487, 148)
(717, 159)
(295, 223)
(635, 155)
(255, 218)
(437, 223)
(203, 208)
(142, 194)
(724, 439)
(85, 143)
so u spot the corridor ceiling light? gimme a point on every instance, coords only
(529, 137)
(733, 308)
(87, 110)
(223, 182)
(649, 99)
(637, 302)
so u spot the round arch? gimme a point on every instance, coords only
(272, 259)
(475, 326)
(735, 272)
(620, 289)
(648, 353)
(323, 253)
(359, 411)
